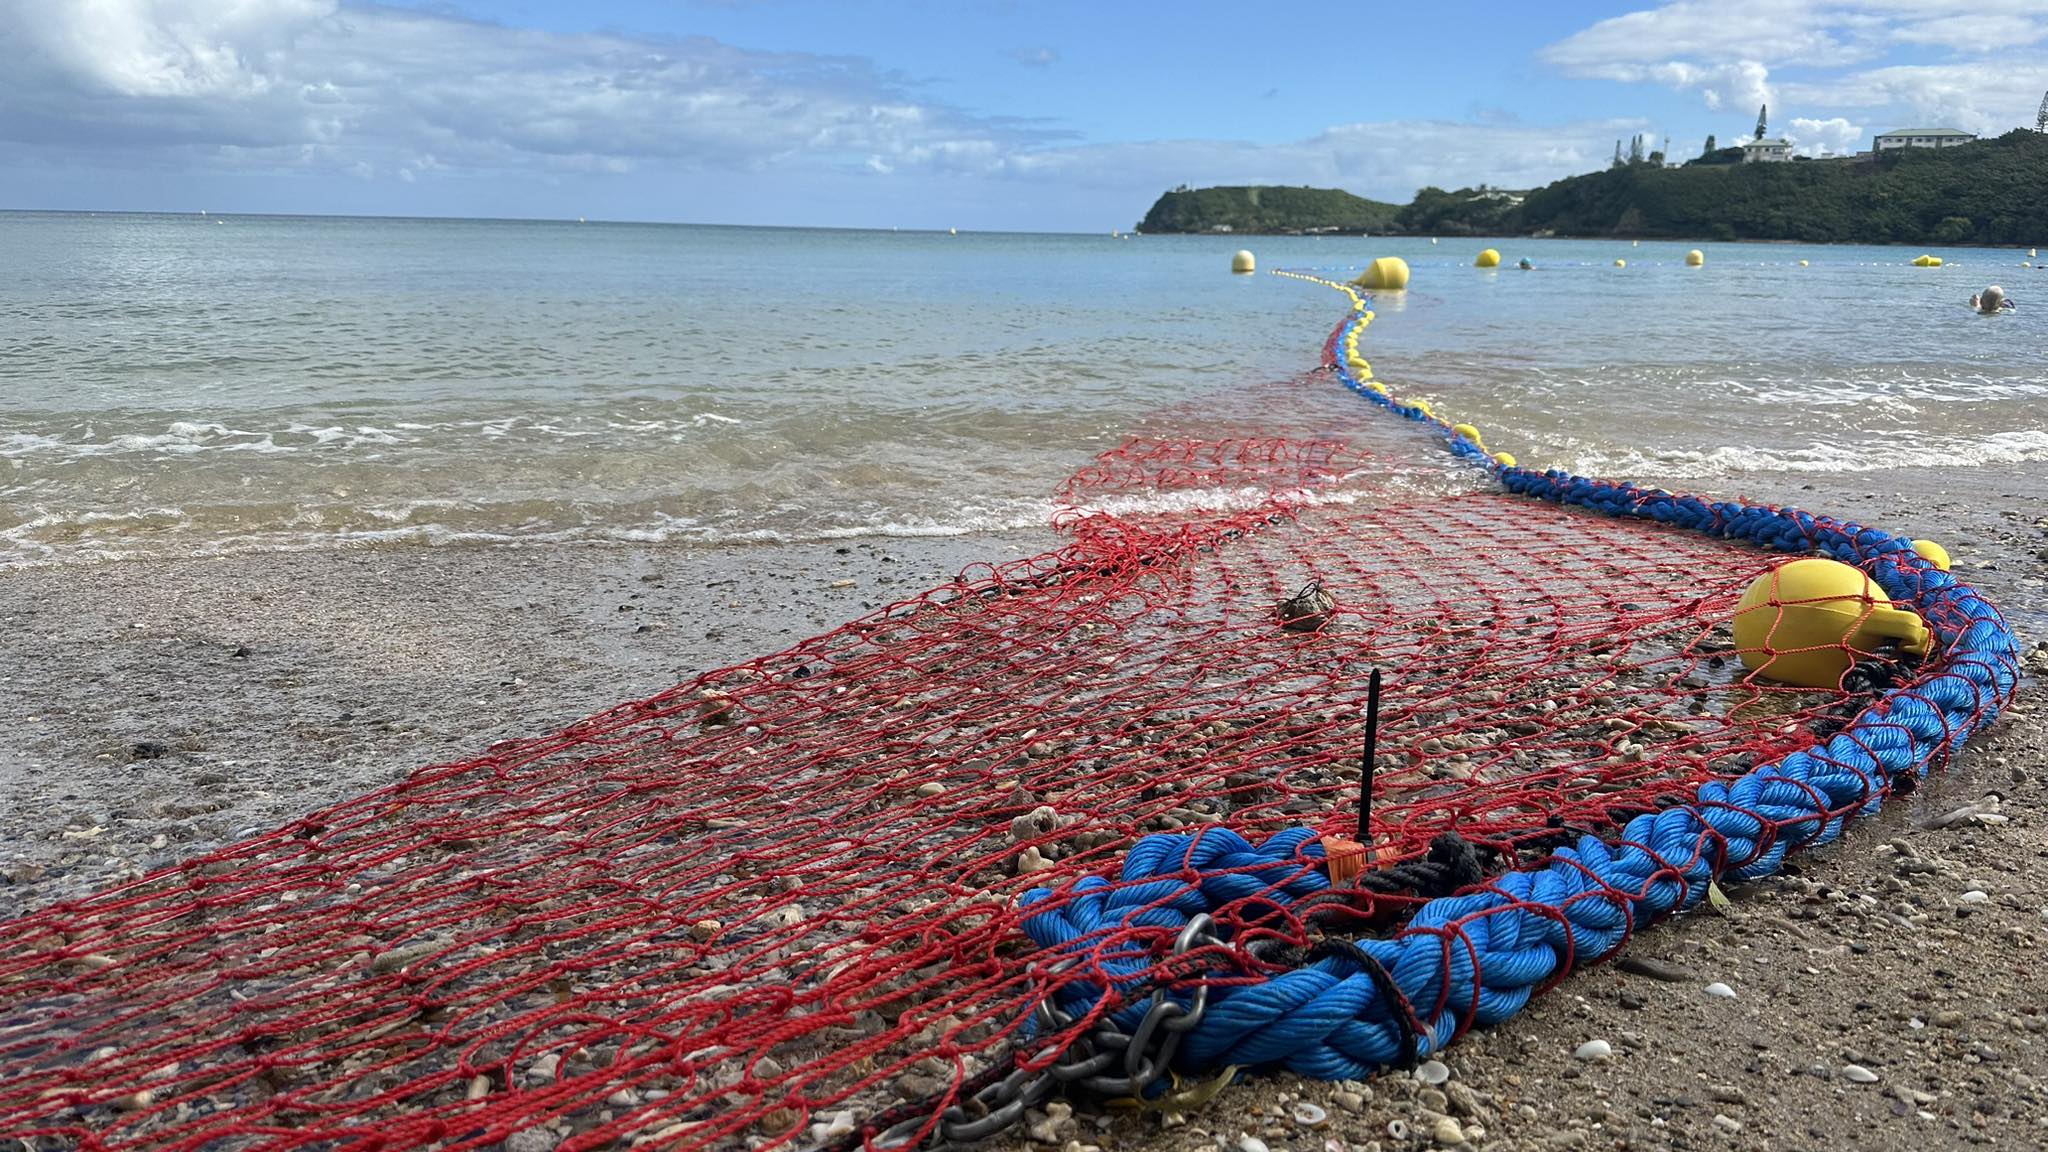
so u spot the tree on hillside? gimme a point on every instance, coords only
(2041, 118)
(1617, 155)
(1762, 120)
(1711, 147)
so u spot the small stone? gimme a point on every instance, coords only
(1246, 1142)
(1031, 860)
(1727, 1094)
(1349, 1101)
(833, 1126)
(543, 1067)
(1593, 1050)
(1432, 1072)
(535, 1139)
(1727, 1123)
(1722, 990)
(705, 929)
(1858, 1074)
(1947, 1018)
(1433, 1100)
(1447, 1132)
(1973, 896)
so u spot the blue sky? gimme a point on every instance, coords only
(930, 114)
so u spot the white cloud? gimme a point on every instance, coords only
(1038, 57)
(1977, 96)
(309, 83)
(1735, 53)
(1835, 136)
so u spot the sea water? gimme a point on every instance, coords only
(188, 385)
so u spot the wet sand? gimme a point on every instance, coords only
(151, 711)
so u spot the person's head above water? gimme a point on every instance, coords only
(1525, 265)
(1991, 299)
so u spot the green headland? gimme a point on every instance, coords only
(1986, 192)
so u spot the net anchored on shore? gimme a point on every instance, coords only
(1090, 822)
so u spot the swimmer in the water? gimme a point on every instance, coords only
(1991, 301)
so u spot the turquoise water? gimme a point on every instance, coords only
(187, 385)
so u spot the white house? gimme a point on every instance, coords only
(1922, 138)
(1774, 149)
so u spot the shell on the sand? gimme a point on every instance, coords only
(1308, 609)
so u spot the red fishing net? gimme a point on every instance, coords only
(777, 904)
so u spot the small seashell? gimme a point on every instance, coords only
(1308, 609)
(1398, 1129)
(1593, 1050)
(1246, 1142)
(1432, 1072)
(1721, 990)
(1858, 1074)
(1310, 1115)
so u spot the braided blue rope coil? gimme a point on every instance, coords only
(1476, 958)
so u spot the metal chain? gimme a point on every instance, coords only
(1107, 1062)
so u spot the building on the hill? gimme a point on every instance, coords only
(1921, 138)
(1766, 151)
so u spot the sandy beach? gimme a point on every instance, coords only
(156, 710)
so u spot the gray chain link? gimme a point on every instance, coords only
(1106, 1062)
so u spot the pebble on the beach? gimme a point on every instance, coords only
(1593, 1050)
(1858, 1074)
(1721, 990)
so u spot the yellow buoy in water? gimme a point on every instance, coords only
(1507, 459)
(1621, 263)
(1804, 623)
(1926, 261)
(1243, 262)
(1695, 258)
(1387, 274)
(1422, 406)
(1802, 263)
(1933, 553)
(952, 231)
(1468, 432)
(1490, 258)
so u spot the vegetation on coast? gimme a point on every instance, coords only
(1986, 192)
(1266, 209)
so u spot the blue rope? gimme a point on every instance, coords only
(1477, 958)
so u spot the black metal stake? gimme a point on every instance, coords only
(1372, 741)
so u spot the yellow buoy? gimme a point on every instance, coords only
(1621, 263)
(1387, 274)
(1469, 432)
(1490, 258)
(1926, 261)
(1802, 263)
(952, 231)
(1507, 459)
(1695, 258)
(1804, 623)
(1933, 553)
(1422, 406)
(1243, 262)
